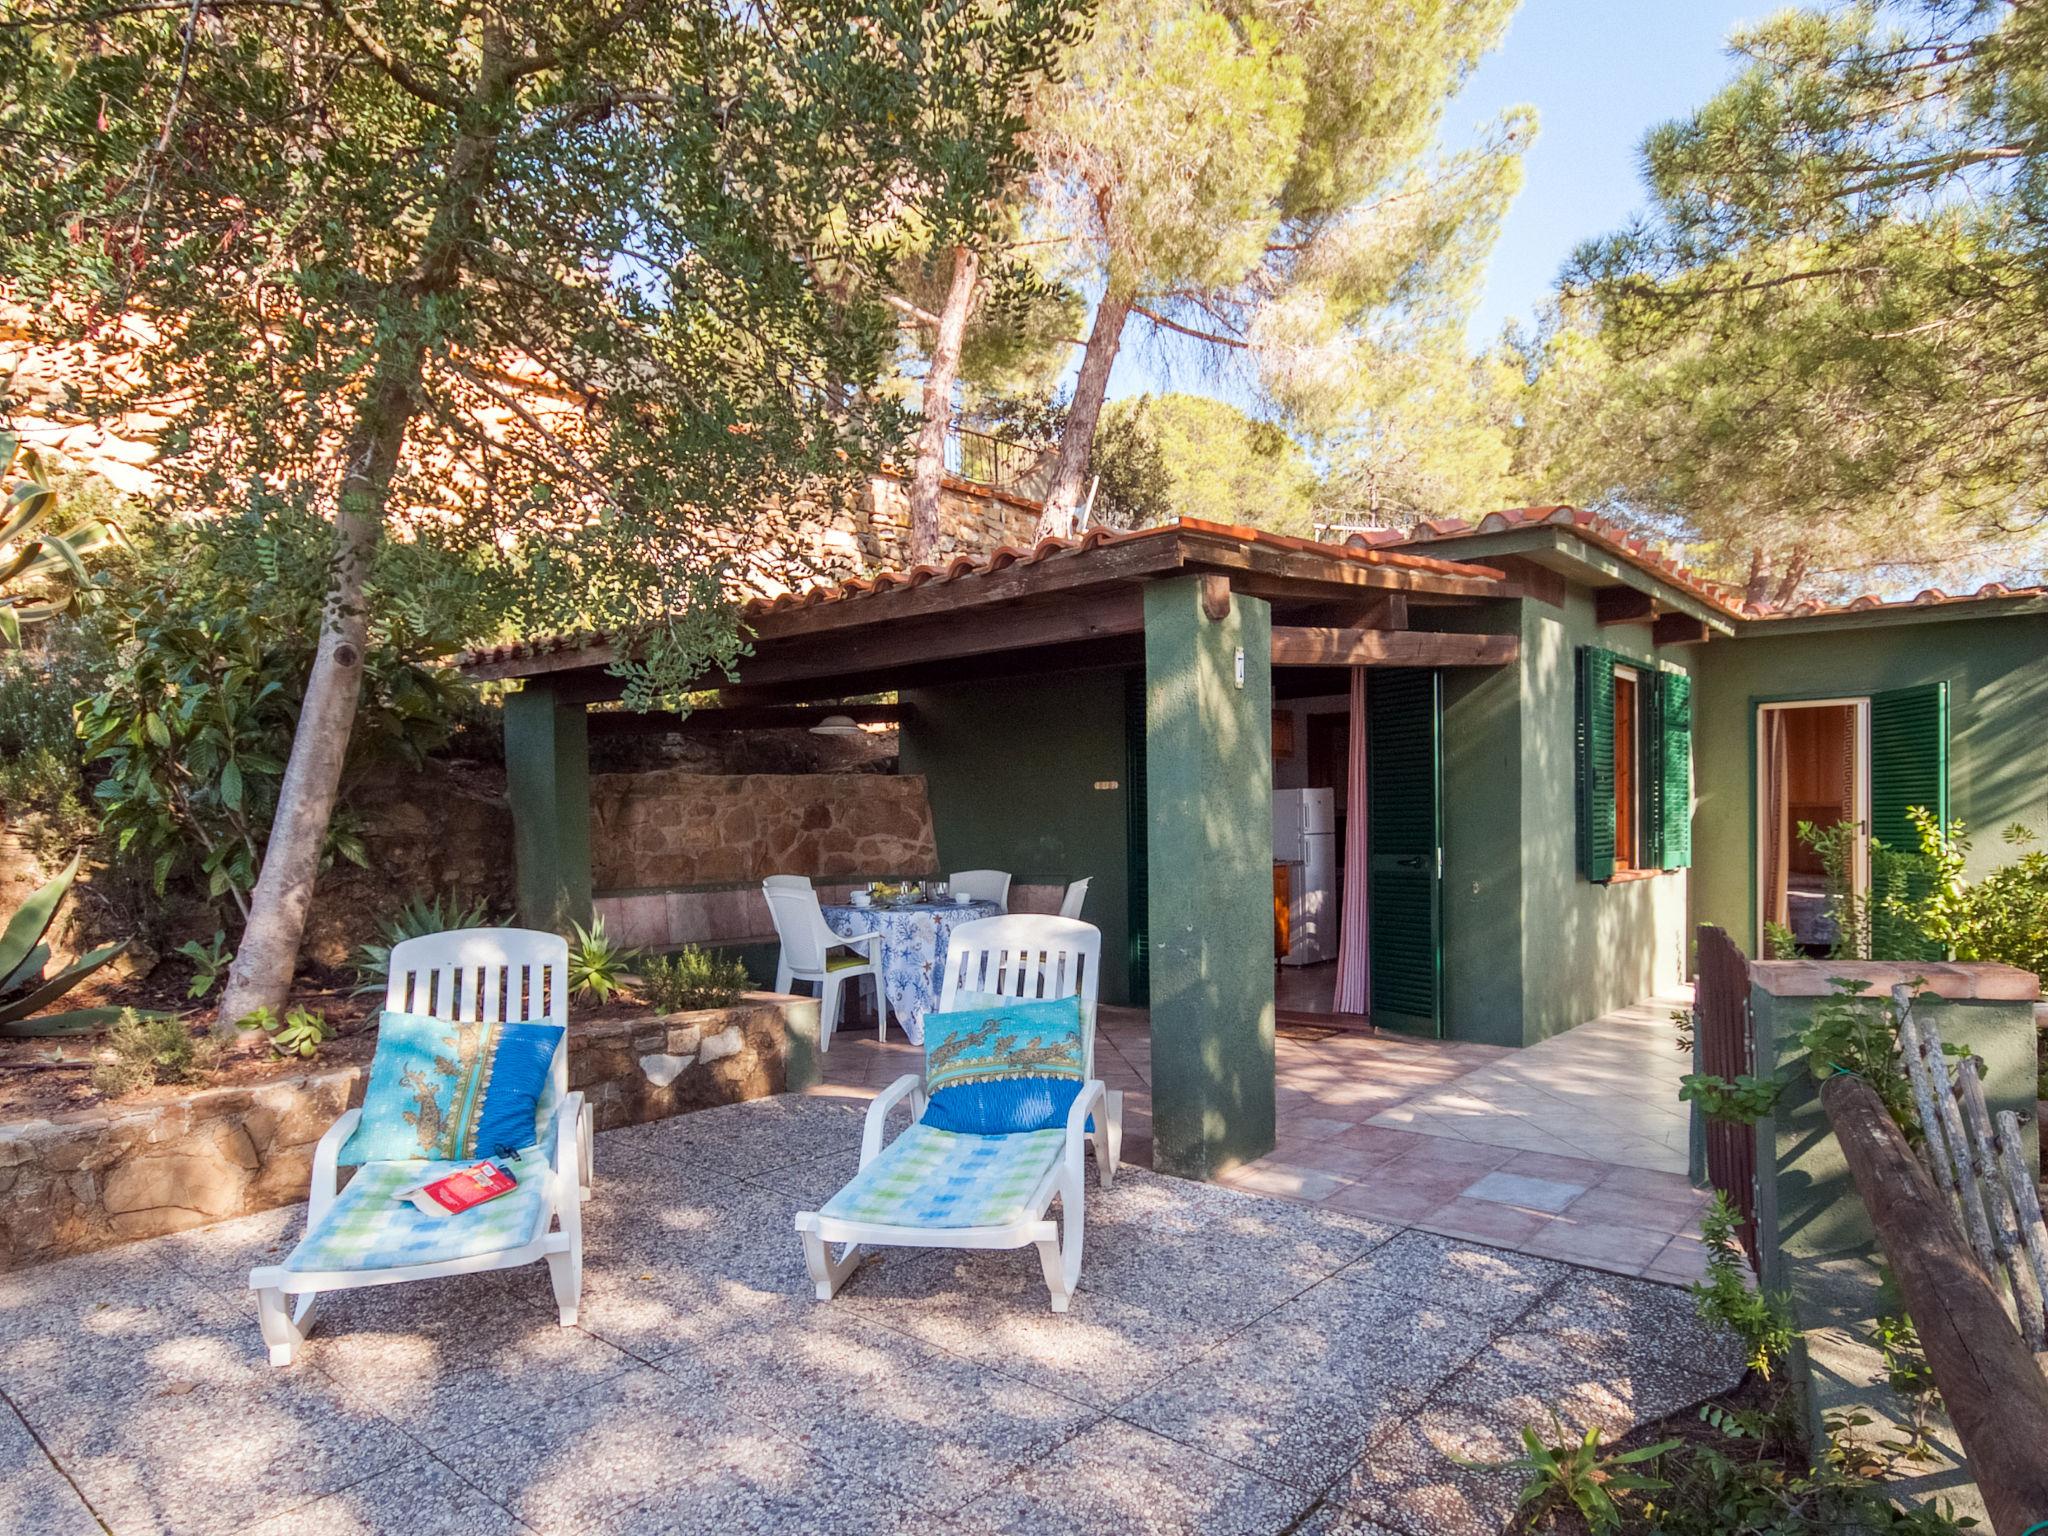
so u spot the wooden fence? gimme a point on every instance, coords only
(1726, 1032)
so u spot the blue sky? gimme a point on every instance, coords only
(1600, 74)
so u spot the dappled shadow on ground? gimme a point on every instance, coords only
(1230, 1364)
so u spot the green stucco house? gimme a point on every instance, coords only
(1546, 754)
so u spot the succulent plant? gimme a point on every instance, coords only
(24, 960)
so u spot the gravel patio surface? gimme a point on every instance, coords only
(1231, 1364)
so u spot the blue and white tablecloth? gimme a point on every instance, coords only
(913, 943)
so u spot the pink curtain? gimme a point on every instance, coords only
(1354, 949)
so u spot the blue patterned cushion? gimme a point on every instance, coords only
(367, 1228)
(1003, 1066)
(933, 1178)
(452, 1092)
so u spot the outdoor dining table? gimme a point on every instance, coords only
(913, 945)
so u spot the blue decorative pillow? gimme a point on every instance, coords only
(995, 1066)
(450, 1092)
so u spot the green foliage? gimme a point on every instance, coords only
(1580, 1476)
(1743, 1100)
(210, 962)
(153, 1048)
(1905, 1364)
(1176, 455)
(1852, 1032)
(2003, 916)
(301, 1033)
(597, 966)
(1823, 338)
(692, 977)
(1886, 922)
(416, 919)
(1763, 1321)
(25, 985)
(42, 569)
(1780, 944)
(212, 631)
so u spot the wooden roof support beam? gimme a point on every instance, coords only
(1624, 605)
(1390, 648)
(1679, 629)
(666, 722)
(1538, 582)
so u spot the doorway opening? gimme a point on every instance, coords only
(1813, 777)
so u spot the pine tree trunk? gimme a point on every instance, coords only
(938, 405)
(1077, 438)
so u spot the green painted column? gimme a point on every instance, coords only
(547, 778)
(1209, 781)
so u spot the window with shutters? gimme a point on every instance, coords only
(1634, 762)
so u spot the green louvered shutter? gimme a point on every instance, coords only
(1671, 772)
(1595, 763)
(1908, 761)
(1908, 769)
(1137, 869)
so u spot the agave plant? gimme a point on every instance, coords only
(24, 957)
(415, 919)
(33, 556)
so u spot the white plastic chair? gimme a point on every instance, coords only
(1076, 897)
(1021, 957)
(983, 885)
(498, 975)
(807, 945)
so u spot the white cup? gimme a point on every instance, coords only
(962, 899)
(861, 899)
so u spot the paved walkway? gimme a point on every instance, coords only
(1231, 1364)
(1573, 1149)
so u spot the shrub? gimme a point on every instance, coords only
(209, 962)
(153, 1048)
(692, 978)
(302, 1032)
(2003, 916)
(1763, 1321)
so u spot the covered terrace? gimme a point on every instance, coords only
(1114, 692)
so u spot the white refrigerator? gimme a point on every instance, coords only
(1305, 839)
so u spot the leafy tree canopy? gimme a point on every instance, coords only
(1823, 353)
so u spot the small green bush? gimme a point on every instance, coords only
(302, 1033)
(1762, 1320)
(152, 1049)
(692, 978)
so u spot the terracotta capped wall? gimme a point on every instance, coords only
(671, 827)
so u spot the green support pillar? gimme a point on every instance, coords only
(1209, 784)
(547, 777)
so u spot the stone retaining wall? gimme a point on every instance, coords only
(99, 1177)
(673, 827)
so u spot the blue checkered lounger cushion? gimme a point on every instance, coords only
(931, 1178)
(366, 1228)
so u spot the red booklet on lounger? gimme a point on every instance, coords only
(456, 1192)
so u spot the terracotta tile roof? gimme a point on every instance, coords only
(1645, 556)
(1002, 559)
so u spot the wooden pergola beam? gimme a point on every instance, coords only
(1296, 647)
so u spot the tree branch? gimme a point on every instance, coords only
(400, 72)
(1187, 330)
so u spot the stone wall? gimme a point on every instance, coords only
(875, 532)
(672, 827)
(94, 1178)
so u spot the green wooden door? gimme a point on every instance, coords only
(1137, 870)
(1404, 776)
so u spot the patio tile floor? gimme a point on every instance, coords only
(1232, 1363)
(1572, 1149)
